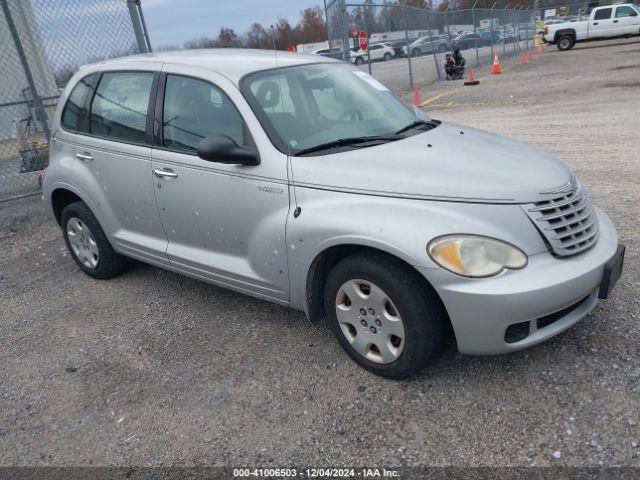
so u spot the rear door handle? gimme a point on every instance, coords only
(84, 157)
(165, 172)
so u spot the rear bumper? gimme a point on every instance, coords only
(481, 310)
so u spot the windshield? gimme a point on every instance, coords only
(306, 106)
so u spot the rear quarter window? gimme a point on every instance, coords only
(73, 109)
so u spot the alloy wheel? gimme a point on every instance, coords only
(370, 321)
(83, 243)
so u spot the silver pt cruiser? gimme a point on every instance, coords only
(304, 181)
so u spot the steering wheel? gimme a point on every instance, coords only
(352, 113)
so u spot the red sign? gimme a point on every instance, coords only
(364, 40)
(291, 48)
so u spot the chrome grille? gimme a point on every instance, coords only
(567, 222)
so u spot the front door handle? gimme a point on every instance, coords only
(84, 157)
(595, 23)
(615, 21)
(165, 172)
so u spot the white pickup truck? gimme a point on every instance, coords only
(604, 22)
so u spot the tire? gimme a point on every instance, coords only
(387, 57)
(359, 60)
(442, 48)
(566, 42)
(422, 330)
(88, 244)
(416, 52)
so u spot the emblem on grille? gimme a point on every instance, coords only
(569, 187)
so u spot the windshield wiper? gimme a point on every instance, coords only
(343, 142)
(417, 123)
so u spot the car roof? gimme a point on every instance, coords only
(234, 63)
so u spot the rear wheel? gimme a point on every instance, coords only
(387, 57)
(442, 48)
(359, 60)
(566, 42)
(383, 316)
(88, 243)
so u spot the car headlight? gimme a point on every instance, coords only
(475, 256)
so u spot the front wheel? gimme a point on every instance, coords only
(387, 57)
(566, 42)
(416, 52)
(359, 60)
(383, 315)
(88, 243)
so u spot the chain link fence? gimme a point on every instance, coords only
(420, 37)
(42, 44)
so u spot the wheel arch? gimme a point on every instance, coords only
(62, 197)
(325, 260)
(565, 31)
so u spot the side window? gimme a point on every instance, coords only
(194, 109)
(625, 12)
(602, 14)
(119, 107)
(73, 108)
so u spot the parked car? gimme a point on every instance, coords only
(304, 181)
(490, 37)
(604, 22)
(469, 40)
(540, 31)
(378, 51)
(326, 52)
(526, 32)
(397, 46)
(427, 45)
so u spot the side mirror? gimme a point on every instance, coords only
(223, 149)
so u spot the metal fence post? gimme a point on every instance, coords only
(517, 29)
(137, 25)
(504, 31)
(473, 19)
(41, 113)
(433, 50)
(345, 35)
(406, 39)
(491, 20)
(327, 22)
(144, 27)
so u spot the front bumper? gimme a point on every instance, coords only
(482, 309)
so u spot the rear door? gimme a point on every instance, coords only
(225, 223)
(602, 23)
(626, 21)
(113, 166)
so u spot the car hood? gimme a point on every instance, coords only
(449, 162)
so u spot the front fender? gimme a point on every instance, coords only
(399, 227)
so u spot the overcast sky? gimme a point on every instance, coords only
(176, 21)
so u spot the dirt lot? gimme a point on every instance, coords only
(153, 368)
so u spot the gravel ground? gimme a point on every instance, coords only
(153, 368)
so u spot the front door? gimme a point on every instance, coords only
(225, 223)
(626, 21)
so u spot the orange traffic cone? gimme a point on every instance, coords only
(416, 96)
(522, 60)
(495, 69)
(472, 80)
(529, 54)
